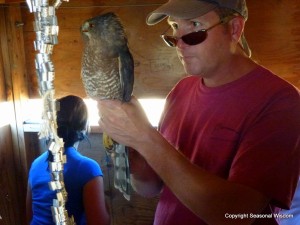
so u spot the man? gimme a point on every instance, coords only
(227, 149)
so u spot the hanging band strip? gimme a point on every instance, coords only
(46, 29)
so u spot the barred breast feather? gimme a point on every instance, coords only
(107, 64)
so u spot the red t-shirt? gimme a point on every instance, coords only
(247, 131)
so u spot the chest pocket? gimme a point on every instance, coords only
(220, 148)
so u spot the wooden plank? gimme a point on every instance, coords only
(13, 1)
(8, 189)
(2, 80)
(10, 1)
(2, 74)
(16, 84)
(33, 147)
(274, 36)
(112, 3)
(9, 206)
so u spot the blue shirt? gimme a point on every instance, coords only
(77, 172)
(292, 216)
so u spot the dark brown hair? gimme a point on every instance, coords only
(71, 119)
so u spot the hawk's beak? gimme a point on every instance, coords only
(86, 27)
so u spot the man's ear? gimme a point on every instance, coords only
(237, 28)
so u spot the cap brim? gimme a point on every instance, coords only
(180, 9)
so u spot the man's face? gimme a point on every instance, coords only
(203, 58)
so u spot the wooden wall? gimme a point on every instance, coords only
(13, 93)
(272, 32)
(274, 36)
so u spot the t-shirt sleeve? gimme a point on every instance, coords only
(90, 169)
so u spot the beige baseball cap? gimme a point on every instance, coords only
(188, 9)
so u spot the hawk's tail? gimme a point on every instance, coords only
(119, 154)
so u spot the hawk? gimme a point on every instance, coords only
(108, 73)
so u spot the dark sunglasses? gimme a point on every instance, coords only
(193, 38)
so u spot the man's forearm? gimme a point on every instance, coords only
(143, 179)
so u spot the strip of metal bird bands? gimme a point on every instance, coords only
(46, 29)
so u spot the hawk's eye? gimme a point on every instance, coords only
(91, 25)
